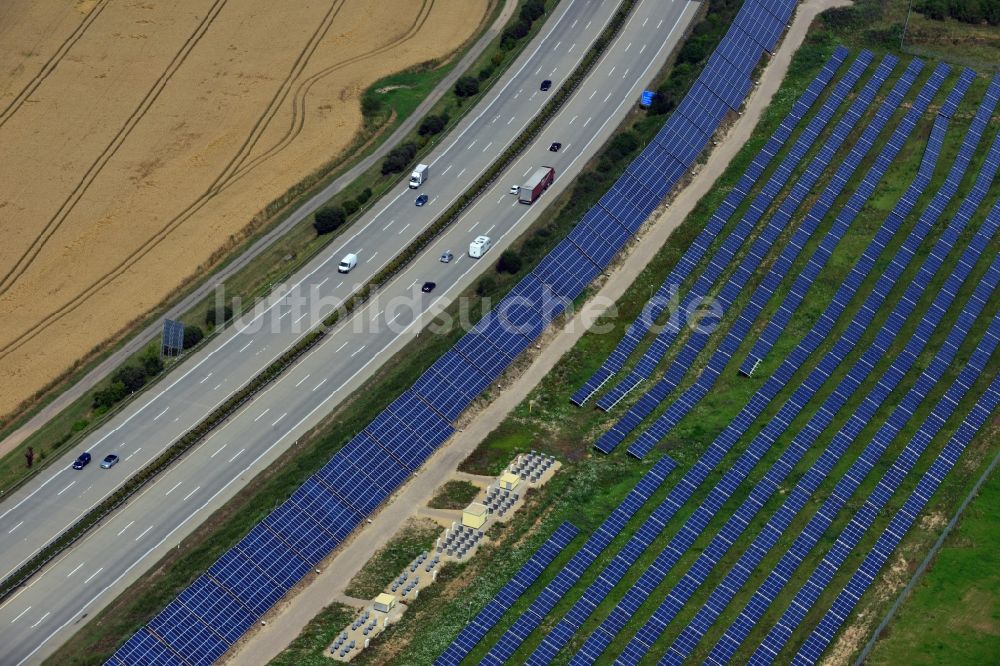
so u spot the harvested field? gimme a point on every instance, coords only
(140, 139)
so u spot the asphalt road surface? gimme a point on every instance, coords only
(58, 601)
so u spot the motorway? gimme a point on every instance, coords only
(46, 613)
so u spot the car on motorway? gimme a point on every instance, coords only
(446, 257)
(421, 200)
(109, 461)
(546, 84)
(555, 146)
(82, 461)
(428, 287)
(514, 189)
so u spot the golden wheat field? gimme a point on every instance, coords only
(139, 137)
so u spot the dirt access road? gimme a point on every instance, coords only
(140, 138)
(291, 617)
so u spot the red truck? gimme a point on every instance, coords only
(538, 183)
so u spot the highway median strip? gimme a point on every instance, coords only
(198, 433)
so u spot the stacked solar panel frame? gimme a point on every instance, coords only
(762, 294)
(675, 600)
(886, 487)
(736, 633)
(775, 225)
(790, 304)
(821, 636)
(700, 246)
(598, 541)
(526, 575)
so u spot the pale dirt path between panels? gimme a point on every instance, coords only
(290, 618)
(139, 138)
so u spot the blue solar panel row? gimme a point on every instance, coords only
(762, 294)
(532, 617)
(899, 525)
(652, 157)
(802, 284)
(469, 637)
(797, 499)
(862, 520)
(760, 445)
(619, 617)
(772, 231)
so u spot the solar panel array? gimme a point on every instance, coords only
(759, 446)
(734, 198)
(765, 290)
(598, 541)
(900, 524)
(797, 499)
(723, 257)
(800, 288)
(800, 444)
(529, 572)
(863, 518)
(777, 223)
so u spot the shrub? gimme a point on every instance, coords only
(192, 336)
(215, 316)
(516, 32)
(107, 397)
(532, 10)
(365, 195)
(152, 364)
(621, 146)
(510, 262)
(400, 157)
(485, 73)
(351, 207)
(467, 86)
(132, 377)
(371, 105)
(486, 286)
(328, 219)
(432, 125)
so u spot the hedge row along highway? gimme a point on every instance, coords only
(308, 341)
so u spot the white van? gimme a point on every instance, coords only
(347, 263)
(478, 247)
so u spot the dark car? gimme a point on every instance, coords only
(428, 287)
(109, 461)
(421, 200)
(546, 84)
(82, 461)
(555, 146)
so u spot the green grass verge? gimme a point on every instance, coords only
(413, 538)
(952, 616)
(454, 495)
(307, 649)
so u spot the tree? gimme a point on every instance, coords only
(215, 316)
(131, 377)
(510, 262)
(328, 219)
(351, 207)
(467, 86)
(107, 397)
(192, 336)
(371, 105)
(515, 32)
(486, 286)
(365, 195)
